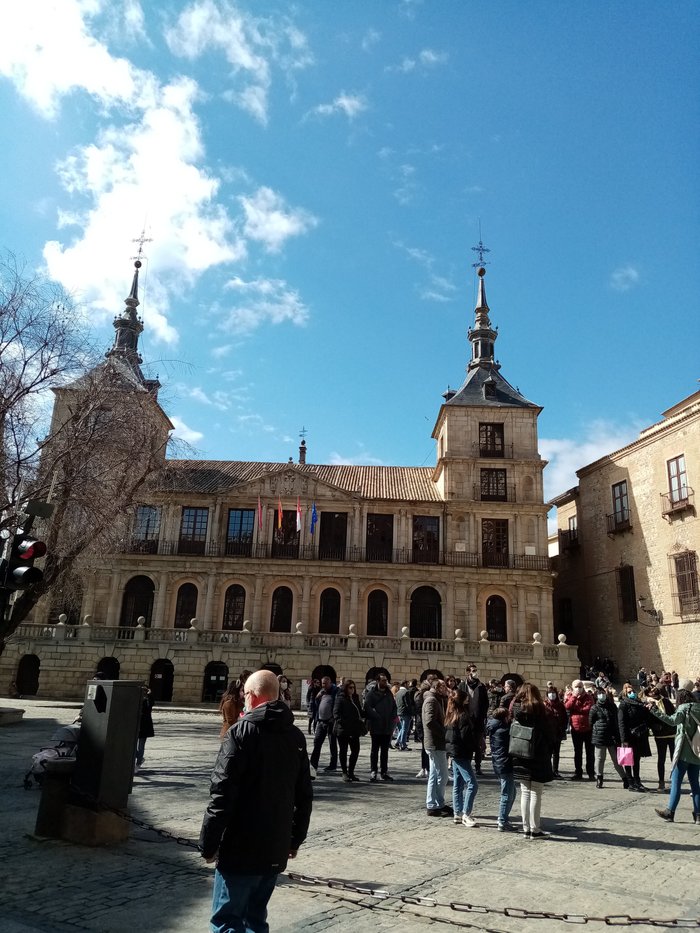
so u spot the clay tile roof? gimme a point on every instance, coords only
(368, 482)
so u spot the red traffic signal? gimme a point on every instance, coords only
(20, 571)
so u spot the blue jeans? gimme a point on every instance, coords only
(507, 797)
(437, 779)
(404, 728)
(140, 750)
(677, 775)
(239, 904)
(463, 776)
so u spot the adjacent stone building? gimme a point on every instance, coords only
(629, 535)
(231, 564)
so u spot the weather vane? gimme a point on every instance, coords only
(141, 240)
(480, 249)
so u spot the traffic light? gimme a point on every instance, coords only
(20, 572)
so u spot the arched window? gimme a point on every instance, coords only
(426, 613)
(137, 601)
(215, 680)
(377, 613)
(496, 618)
(186, 606)
(109, 668)
(281, 610)
(329, 612)
(234, 607)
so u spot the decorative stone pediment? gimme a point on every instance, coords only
(286, 482)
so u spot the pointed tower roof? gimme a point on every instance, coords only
(128, 326)
(484, 384)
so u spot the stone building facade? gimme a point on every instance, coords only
(291, 563)
(629, 536)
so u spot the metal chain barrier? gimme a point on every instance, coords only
(380, 896)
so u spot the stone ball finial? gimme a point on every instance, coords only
(193, 623)
(404, 631)
(484, 636)
(481, 272)
(246, 626)
(62, 619)
(561, 639)
(536, 637)
(298, 629)
(141, 622)
(458, 634)
(87, 620)
(351, 629)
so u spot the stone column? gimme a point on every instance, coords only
(304, 611)
(207, 621)
(258, 605)
(473, 626)
(402, 615)
(448, 619)
(115, 593)
(546, 616)
(215, 531)
(88, 606)
(351, 615)
(160, 601)
(520, 615)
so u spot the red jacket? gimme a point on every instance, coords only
(579, 707)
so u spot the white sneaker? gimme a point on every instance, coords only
(457, 818)
(313, 772)
(468, 821)
(422, 773)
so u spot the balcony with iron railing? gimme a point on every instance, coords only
(677, 501)
(493, 451)
(354, 555)
(505, 493)
(618, 522)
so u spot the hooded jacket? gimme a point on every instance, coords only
(498, 731)
(261, 794)
(603, 721)
(433, 716)
(685, 719)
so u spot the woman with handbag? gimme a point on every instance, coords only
(632, 718)
(531, 739)
(560, 723)
(348, 726)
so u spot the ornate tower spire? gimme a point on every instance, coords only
(128, 326)
(483, 336)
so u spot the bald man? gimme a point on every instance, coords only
(260, 807)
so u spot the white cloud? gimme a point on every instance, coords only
(262, 301)
(250, 44)
(271, 222)
(350, 105)
(426, 59)
(183, 432)
(566, 455)
(370, 39)
(624, 278)
(363, 458)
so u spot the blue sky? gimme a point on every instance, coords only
(312, 177)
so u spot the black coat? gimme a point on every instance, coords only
(459, 738)
(478, 705)
(261, 793)
(146, 721)
(603, 719)
(634, 727)
(348, 717)
(538, 768)
(498, 731)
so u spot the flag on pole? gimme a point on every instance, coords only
(259, 514)
(314, 517)
(298, 514)
(279, 513)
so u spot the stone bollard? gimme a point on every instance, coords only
(459, 643)
(140, 630)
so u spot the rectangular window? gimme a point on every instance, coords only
(285, 540)
(494, 542)
(426, 539)
(332, 536)
(677, 480)
(621, 512)
(193, 530)
(239, 533)
(626, 594)
(380, 537)
(493, 486)
(491, 440)
(146, 529)
(573, 523)
(687, 589)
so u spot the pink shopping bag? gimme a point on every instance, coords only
(625, 756)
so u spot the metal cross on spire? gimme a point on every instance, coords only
(303, 433)
(480, 249)
(141, 240)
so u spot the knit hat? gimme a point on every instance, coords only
(686, 684)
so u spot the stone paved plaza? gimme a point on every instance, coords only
(608, 854)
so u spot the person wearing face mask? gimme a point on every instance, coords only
(632, 719)
(285, 692)
(605, 735)
(557, 714)
(578, 705)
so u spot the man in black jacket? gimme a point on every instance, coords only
(478, 710)
(260, 807)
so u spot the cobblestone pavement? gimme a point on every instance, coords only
(608, 854)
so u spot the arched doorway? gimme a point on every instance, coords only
(434, 671)
(374, 672)
(161, 680)
(108, 668)
(28, 675)
(516, 678)
(496, 618)
(281, 610)
(426, 613)
(234, 608)
(137, 601)
(329, 612)
(377, 613)
(215, 681)
(271, 666)
(323, 670)
(186, 605)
